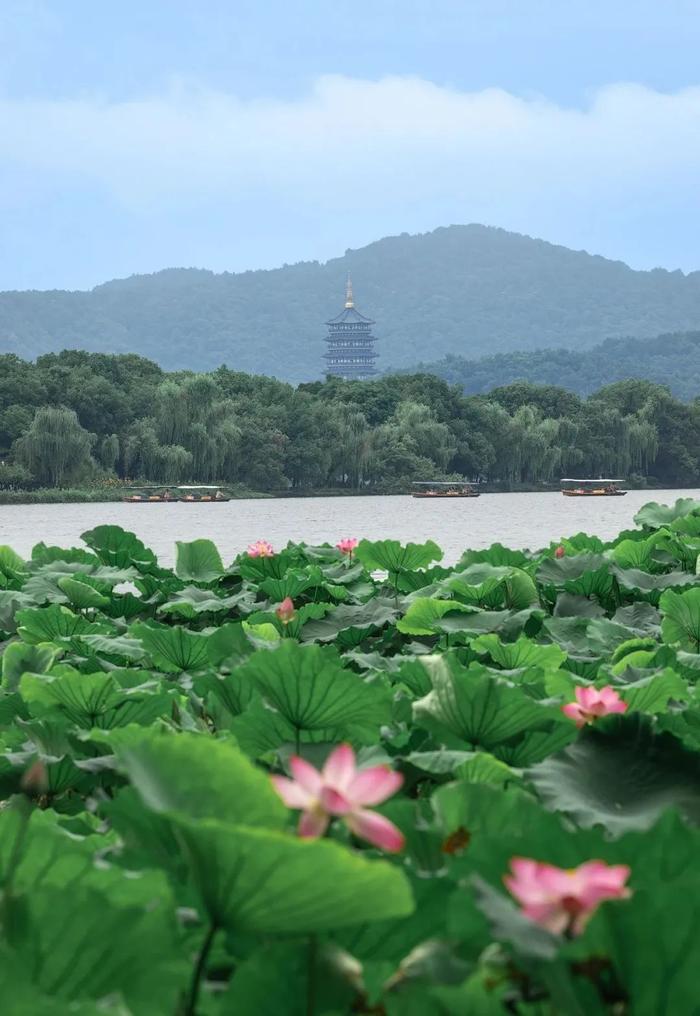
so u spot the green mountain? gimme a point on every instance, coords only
(672, 360)
(462, 290)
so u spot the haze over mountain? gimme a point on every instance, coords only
(468, 291)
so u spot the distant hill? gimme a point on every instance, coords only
(672, 360)
(462, 291)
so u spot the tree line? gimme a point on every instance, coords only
(78, 418)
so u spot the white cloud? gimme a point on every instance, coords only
(379, 147)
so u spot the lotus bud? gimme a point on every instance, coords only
(35, 780)
(560, 551)
(286, 612)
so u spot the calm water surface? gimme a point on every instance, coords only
(517, 520)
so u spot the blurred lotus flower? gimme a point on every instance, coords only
(286, 612)
(593, 702)
(560, 551)
(342, 790)
(35, 779)
(347, 545)
(261, 548)
(564, 900)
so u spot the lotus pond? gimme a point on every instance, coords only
(340, 780)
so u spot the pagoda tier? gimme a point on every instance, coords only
(350, 343)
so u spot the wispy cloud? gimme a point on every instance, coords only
(402, 151)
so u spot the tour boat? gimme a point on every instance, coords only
(440, 488)
(593, 488)
(168, 495)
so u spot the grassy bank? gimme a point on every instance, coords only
(97, 495)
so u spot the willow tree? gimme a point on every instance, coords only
(55, 448)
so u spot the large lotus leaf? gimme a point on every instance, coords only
(360, 621)
(521, 653)
(54, 624)
(652, 694)
(94, 700)
(120, 647)
(12, 567)
(652, 942)
(582, 574)
(309, 687)
(534, 746)
(192, 601)
(656, 516)
(11, 602)
(198, 561)
(260, 731)
(228, 645)
(198, 776)
(477, 707)
(479, 585)
(257, 569)
(102, 949)
(391, 556)
(650, 587)
(621, 775)
(425, 613)
(172, 650)
(642, 618)
(118, 547)
(82, 595)
(508, 623)
(497, 555)
(681, 619)
(43, 554)
(234, 691)
(272, 883)
(19, 658)
(574, 605)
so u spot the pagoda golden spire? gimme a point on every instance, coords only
(349, 301)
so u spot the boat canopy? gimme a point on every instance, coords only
(599, 480)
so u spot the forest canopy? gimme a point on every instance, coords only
(467, 291)
(77, 417)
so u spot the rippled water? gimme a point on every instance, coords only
(517, 520)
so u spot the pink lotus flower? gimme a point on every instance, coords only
(347, 545)
(593, 702)
(560, 551)
(286, 612)
(563, 901)
(341, 790)
(261, 548)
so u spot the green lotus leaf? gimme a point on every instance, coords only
(94, 700)
(681, 619)
(641, 617)
(310, 688)
(582, 574)
(391, 556)
(192, 601)
(497, 555)
(475, 706)
(120, 549)
(197, 776)
(198, 561)
(272, 883)
(228, 645)
(621, 775)
(12, 566)
(172, 650)
(424, 614)
(656, 516)
(55, 624)
(651, 586)
(357, 621)
(521, 653)
(20, 658)
(82, 595)
(652, 694)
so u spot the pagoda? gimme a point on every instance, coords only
(350, 343)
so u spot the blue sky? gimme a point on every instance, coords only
(233, 135)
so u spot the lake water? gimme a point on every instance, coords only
(517, 520)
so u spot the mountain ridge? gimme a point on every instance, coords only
(458, 290)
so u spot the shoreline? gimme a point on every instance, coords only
(9, 498)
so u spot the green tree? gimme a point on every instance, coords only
(55, 448)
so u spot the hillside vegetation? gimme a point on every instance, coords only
(72, 418)
(673, 360)
(463, 290)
